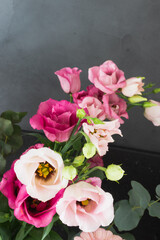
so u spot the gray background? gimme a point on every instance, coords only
(38, 37)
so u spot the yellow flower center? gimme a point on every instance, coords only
(85, 202)
(44, 170)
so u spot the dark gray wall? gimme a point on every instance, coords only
(38, 37)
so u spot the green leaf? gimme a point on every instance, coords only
(125, 218)
(47, 229)
(40, 138)
(144, 196)
(158, 190)
(6, 127)
(135, 202)
(54, 235)
(4, 217)
(5, 231)
(77, 145)
(20, 234)
(36, 233)
(2, 163)
(6, 148)
(154, 210)
(4, 203)
(14, 117)
(16, 140)
(127, 236)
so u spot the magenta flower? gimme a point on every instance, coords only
(107, 77)
(10, 186)
(99, 234)
(95, 161)
(69, 79)
(56, 118)
(115, 107)
(33, 211)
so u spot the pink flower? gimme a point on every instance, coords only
(114, 107)
(69, 79)
(33, 211)
(86, 206)
(92, 91)
(101, 134)
(93, 106)
(99, 234)
(133, 86)
(153, 113)
(107, 77)
(41, 171)
(95, 161)
(56, 118)
(10, 186)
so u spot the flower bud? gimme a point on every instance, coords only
(81, 113)
(156, 90)
(69, 172)
(89, 150)
(136, 99)
(114, 172)
(78, 160)
(148, 104)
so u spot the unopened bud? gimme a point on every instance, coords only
(114, 172)
(89, 150)
(148, 104)
(136, 99)
(69, 172)
(81, 113)
(156, 90)
(78, 160)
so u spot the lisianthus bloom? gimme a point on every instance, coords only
(95, 161)
(41, 171)
(115, 107)
(92, 91)
(153, 113)
(99, 234)
(33, 211)
(10, 185)
(93, 107)
(133, 87)
(26, 208)
(107, 77)
(56, 118)
(86, 206)
(101, 134)
(69, 79)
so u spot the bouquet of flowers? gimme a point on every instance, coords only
(54, 188)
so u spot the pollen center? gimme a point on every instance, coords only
(85, 202)
(44, 170)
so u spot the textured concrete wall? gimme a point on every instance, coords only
(38, 37)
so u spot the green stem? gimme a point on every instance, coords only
(71, 98)
(75, 128)
(92, 170)
(150, 204)
(70, 143)
(136, 207)
(28, 231)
